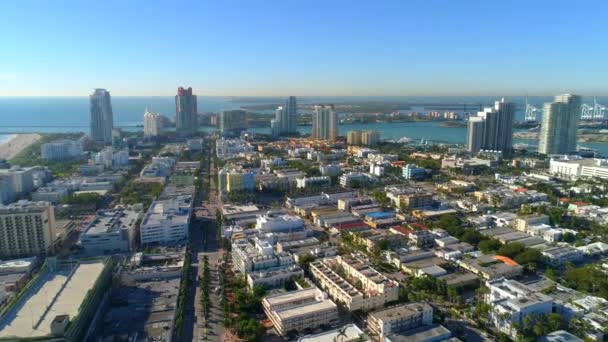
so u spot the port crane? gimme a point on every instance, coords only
(595, 112)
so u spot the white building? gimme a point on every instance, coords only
(61, 150)
(512, 301)
(346, 333)
(21, 179)
(112, 231)
(298, 310)
(399, 318)
(26, 229)
(574, 168)
(167, 222)
(257, 255)
(308, 182)
(560, 255)
(108, 158)
(330, 169)
(351, 179)
(411, 171)
(152, 124)
(230, 148)
(274, 277)
(272, 222)
(376, 169)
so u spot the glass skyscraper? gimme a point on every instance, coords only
(559, 125)
(102, 120)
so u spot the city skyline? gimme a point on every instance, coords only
(335, 49)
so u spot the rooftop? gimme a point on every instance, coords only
(400, 311)
(305, 309)
(291, 296)
(112, 221)
(58, 293)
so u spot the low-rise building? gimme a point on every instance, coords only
(491, 267)
(356, 179)
(560, 255)
(313, 182)
(61, 150)
(512, 302)
(112, 231)
(299, 310)
(277, 221)
(167, 222)
(399, 318)
(359, 287)
(347, 333)
(274, 277)
(408, 197)
(412, 171)
(522, 223)
(330, 169)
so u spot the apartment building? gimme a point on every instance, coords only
(399, 318)
(26, 229)
(350, 281)
(409, 197)
(167, 222)
(298, 310)
(522, 223)
(512, 301)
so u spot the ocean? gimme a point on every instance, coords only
(69, 114)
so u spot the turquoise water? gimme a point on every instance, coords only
(66, 114)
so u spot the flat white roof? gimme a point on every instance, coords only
(32, 319)
(351, 331)
(291, 296)
(305, 309)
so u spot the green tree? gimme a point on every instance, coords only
(511, 250)
(490, 246)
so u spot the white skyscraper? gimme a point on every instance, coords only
(324, 123)
(560, 124)
(102, 120)
(285, 118)
(152, 124)
(492, 128)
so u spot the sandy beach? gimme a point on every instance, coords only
(16, 144)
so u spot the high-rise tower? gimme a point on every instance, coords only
(102, 120)
(186, 113)
(291, 114)
(152, 124)
(492, 129)
(324, 123)
(560, 124)
(285, 118)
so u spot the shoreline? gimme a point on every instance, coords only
(581, 137)
(17, 143)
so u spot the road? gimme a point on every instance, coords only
(205, 243)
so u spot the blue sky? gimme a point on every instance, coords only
(304, 47)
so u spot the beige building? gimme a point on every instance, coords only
(352, 282)
(298, 310)
(522, 223)
(26, 229)
(399, 319)
(363, 138)
(409, 197)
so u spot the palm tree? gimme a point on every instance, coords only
(341, 333)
